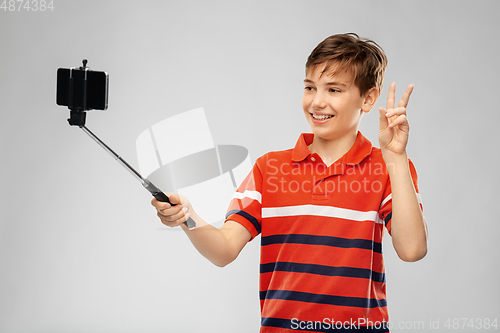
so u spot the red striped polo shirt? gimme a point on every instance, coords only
(321, 266)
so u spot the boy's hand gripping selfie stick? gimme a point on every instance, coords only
(81, 89)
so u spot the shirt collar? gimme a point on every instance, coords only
(361, 148)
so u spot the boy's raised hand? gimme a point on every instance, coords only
(394, 127)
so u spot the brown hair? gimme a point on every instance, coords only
(363, 57)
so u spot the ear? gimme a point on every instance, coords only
(370, 99)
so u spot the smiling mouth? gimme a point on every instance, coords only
(322, 116)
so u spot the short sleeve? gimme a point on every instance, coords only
(385, 212)
(246, 204)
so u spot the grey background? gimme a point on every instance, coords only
(81, 249)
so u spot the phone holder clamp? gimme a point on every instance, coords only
(77, 115)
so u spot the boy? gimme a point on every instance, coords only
(321, 207)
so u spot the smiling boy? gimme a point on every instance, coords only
(321, 207)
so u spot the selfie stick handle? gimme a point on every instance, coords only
(155, 191)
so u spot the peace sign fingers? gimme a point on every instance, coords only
(391, 96)
(394, 125)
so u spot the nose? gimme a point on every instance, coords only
(318, 101)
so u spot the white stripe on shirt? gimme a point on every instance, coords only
(255, 195)
(389, 197)
(317, 210)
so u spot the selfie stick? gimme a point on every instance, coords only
(77, 118)
(155, 191)
(148, 185)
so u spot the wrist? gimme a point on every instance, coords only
(395, 161)
(196, 218)
(393, 157)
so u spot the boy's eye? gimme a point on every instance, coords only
(308, 88)
(334, 90)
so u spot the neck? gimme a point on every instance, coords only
(332, 150)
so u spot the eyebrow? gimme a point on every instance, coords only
(333, 83)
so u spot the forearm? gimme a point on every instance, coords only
(219, 246)
(408, 227)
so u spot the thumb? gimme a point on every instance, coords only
(178, 199)
(174, 198)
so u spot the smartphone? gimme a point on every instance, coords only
(82, 89)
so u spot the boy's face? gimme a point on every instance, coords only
(332, 103)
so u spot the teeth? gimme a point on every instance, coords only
(322, 117)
